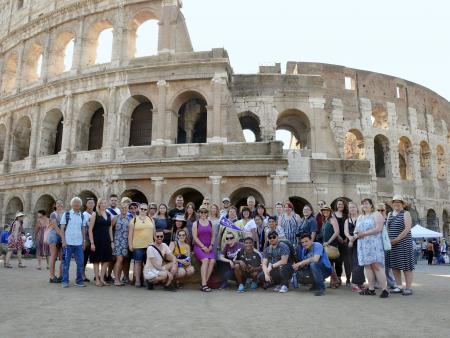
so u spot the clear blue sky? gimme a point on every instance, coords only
(408, 39)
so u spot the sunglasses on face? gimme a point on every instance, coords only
(143, 209)
(272, 237)
(381, 210)
(159, 237)
(229, 238)
(181, 235)
(203, 212)
(152, 208)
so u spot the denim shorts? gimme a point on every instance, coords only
(140, 255)
(53, 237)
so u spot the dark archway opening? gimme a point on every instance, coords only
(189, 195)
(135, 195)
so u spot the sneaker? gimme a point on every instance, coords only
(223, 286)
(266, 285)
(384, 294)
(53, 280)
(277, 288)
(283, 289)
(254, 286)
(407, 292)
(80, 285)
(319, 293)
(396, 290)
(356, 288)
(241, 288)
(65, 285)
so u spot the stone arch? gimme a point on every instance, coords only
(59, 52)
(445, 223)
(379, 117)
(298, 125)
(135, 195)
(354, 145)
(432, 220)
(85, 194)
(239, 196)
(45, 202)
(32, 63)
(298, 203)
(405, 158)
(425, 156)
(2, 141)
(9, 73)
(21, 139)
(441, 166)
(92, 41)
(414, 216)
(189, 195)
(192, 117)
(143, 17)
(14, 205)
(51, 133)
(250, 121)
(91, 126)
(141, 121)
(382, 156)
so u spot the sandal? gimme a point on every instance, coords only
(105, 284)
(368, 292)
(99, 285)
(21, 266)
(206, 288)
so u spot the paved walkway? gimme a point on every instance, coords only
(30, 307)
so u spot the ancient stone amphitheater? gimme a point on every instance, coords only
(172, 123)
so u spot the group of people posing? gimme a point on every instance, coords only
(247, 246)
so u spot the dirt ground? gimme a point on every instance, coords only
(31, 307)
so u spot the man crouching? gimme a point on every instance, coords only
(161, 265)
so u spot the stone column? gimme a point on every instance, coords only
(417, 177)
(106, 186)
(7, 149)
(158, 183)
(20, 62)
(46, 59)
(215, 189)
(78, 47)
(109, 126)
(119, 48)
(2, 72)
(217, 111)
(167, 26)
(161, 117)
(67, 124)
(279, 187)
(28, 209)
(317, 110)
(35, 124)
(337, 124)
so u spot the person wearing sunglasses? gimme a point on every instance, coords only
(152, 210)
(276, 269)
(226, 204)
(226, 264)
(203, 236)
(182, 252)
(140, 235)
(161, 265)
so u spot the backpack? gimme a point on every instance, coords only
(67, 215)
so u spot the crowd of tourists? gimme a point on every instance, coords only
(359, 245)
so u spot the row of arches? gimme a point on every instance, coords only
(96, 48)
(135, 129)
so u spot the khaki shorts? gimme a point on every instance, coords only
(151, 274)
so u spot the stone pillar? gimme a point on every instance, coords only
(109, 126)
(317, 110)
(167, 26)
(158, 183)
(417, 177)
(365, 107)
(106, 187)
(20, 63)
(215, 189)
(67, 125)
(2, 72)
(279, 187)
(119, 48)
(7, 149)
(35, 124)
(337, 125)
(46, 59)
(216, 125)
(161, 117)
(78, 47)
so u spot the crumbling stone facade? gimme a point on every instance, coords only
(157, 126)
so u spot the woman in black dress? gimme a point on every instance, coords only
(102, 241)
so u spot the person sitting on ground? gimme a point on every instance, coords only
(182, 252)
(161, 265)
(247, 264)
(276, 268)
(226, 263)
(313, 256)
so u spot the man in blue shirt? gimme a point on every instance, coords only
(313, 256)
(73, 239)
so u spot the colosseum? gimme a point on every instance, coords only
(155, 126)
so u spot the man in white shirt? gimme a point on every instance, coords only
(161, 265)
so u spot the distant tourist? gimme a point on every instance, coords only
(42, 228)
(15, 241)
(54, 241)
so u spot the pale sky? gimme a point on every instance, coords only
(407, 39)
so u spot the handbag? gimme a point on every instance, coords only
(385, 236)
(304, 276)
(332, 252)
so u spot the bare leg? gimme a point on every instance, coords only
(39, 259)
(19, 257)
(137, 272)
(378, 269)
(408, 278)
(398, 277)
(53, 255)
(97, 274)
(8, 256)
(370, 276)
(60, 261)
(118, 270)
(209, 272)
(204, 271)
(126, 267)
(103, 272)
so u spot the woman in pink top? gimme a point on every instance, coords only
(203, 234)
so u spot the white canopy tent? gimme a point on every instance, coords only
(419, 231)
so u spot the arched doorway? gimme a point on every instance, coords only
(192, 118)
(250, 122)
(141, 122)
(46, 203)
(21, 139)
(299, 203)
(382, 156)
(405, 158)
(294, 129)
(87, 194)
(135, 195)
(14, 205)
(90, 135)
(52, 129)
(239, 197)
(189, 195)
(432, 220)
(354, 145)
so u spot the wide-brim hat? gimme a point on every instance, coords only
(179, 218)
(326, 207)
(398, 198)
(203, 207)
(19, 214)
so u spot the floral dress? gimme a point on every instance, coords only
(15, 240)
(121, 237)
(370, 248)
